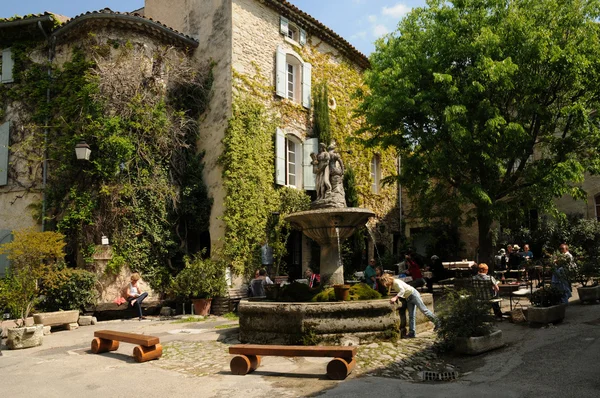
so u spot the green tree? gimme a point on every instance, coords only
(492, 104)
(322, 129)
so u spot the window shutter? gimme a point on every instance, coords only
(311, 145)
(302, 37)
(306, 76)
(280, 72)
(283, 25)
(279, 157)
(4, 140)
(5, 237)
(7, 66)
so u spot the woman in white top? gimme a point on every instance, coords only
(413, 300)
(135, 296)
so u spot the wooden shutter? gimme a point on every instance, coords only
(4, 141)
(306, 76)
(284, 25)
(7, 66)
(311, 145)
(302, 37)
(280, 62)
(279, 157)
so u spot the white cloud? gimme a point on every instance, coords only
(396, 11)
(359, 35)
(372, 18)
(380, 30)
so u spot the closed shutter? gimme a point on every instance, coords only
(302, 37)
(7, 66)
(4, 141)
(284, 25)
(306, 76)
(311, 145)
(5, 237)
(280, 72)
(279, 157)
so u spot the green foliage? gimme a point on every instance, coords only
(546, 296)
(490, 104)
(296, 292)
(190, 319)
(67, 289)
(231, 315)
(32, 255)
(321, 126)
(201, 278)
(325, 295)
(362, 291)
(463, 315)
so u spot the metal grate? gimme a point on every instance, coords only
(438, 376)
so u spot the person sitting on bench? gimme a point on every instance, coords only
(483, 276)
(135, 296)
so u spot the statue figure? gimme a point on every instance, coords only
(321, 169)
(328, 168)
(336, 171)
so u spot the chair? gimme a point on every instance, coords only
(484, 291)
(257, 287)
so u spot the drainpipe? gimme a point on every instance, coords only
(45, 163)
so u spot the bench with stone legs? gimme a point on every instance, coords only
(249, 356)
(148, 347)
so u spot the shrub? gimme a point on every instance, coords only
(296, 292)
(325, 295)
(362, 291)
(546, 296)
(201, 278)
(67, 289)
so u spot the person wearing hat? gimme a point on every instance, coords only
(498, 259)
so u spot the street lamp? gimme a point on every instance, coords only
(82, 151)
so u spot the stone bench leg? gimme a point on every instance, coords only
(143, 354)
(340, 368)
(102, 345)
(243, 364)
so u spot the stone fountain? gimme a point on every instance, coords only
(330, 221)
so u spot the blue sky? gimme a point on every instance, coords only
(358, 21)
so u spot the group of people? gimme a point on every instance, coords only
(513, 257)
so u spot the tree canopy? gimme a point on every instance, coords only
(491, 103)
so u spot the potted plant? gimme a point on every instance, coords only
(587, 273)
(32, 255)
(467, 326)
(546, 306)
(201, 280)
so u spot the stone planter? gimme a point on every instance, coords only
(478, 345)
(589, 294)
(545, 315)
(56, 318)
(29, 336)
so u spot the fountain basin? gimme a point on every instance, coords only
(264, 322)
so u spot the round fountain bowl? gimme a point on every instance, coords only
(320, 225)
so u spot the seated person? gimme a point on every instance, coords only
(370, 274)
(482, 275)
(414, 271)
(378, 285)
(257, 285)
(438, 273)
(314, 280)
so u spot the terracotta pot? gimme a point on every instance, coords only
(342, 292)
(202, 306)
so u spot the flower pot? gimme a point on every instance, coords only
(480, 344)
(589, 293)
(545, 315)
(201, 306)
(28, 336)
(342, 292)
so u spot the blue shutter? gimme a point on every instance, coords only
(280, 63)
(283, 26)
(311, 145)
(306, 76)
(302, 37)
(7, 66)
(279, 157)
(4, 141)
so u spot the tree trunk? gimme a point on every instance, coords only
(486, 255)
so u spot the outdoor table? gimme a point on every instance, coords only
(458, 264)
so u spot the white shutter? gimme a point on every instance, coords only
(279, 157)
(283, 26)
(7, 66)
(302, 37)
(4, 140)
(311, 145)
(306, 76)
(280, 77)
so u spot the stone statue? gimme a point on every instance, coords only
(328, 168)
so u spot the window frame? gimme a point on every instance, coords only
(297, 163)
(376, 174)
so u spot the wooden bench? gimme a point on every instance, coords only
(148, 347)
(248, 357)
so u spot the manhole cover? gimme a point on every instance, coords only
(438, 376)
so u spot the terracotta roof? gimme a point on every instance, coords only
(130, 19)
(310, 23)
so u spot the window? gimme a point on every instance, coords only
(292, 32)
(375, 173)
(597, 199)
(6, 66)
(4, 143)
(291, 159)
(293, 77)
(293, 163)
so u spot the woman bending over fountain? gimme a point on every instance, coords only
(413, 300)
